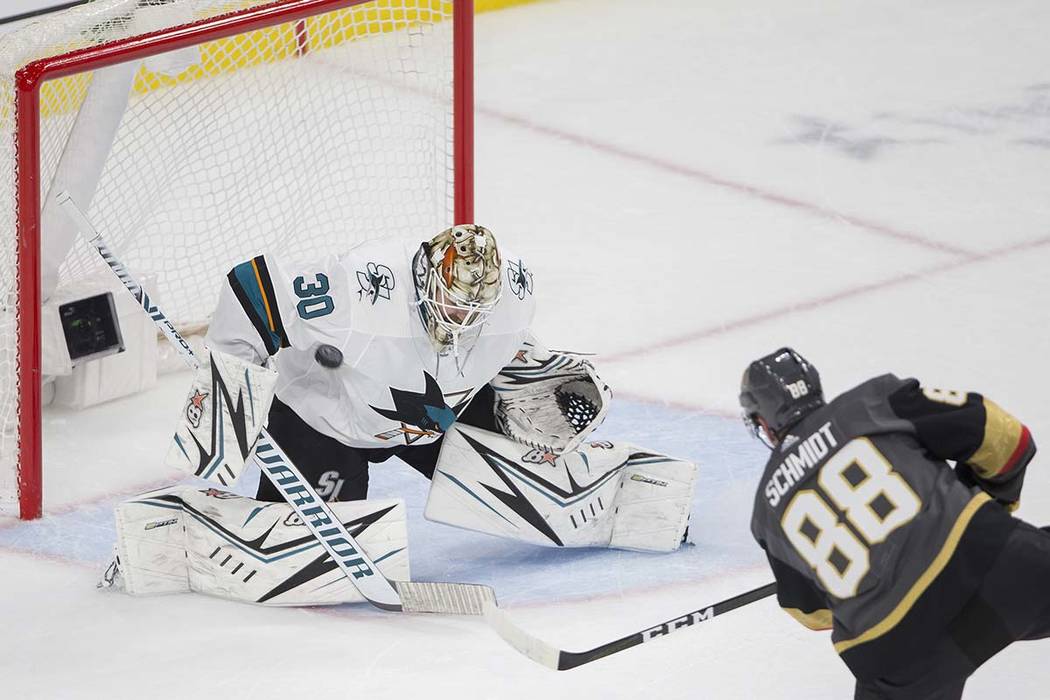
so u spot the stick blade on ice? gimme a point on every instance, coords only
(536, 649)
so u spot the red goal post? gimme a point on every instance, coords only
(32, 186)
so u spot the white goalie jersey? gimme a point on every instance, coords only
(392, 387)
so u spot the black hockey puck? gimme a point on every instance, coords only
(328, 356)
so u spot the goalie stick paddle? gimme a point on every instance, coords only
(550, 656)
(349, 556)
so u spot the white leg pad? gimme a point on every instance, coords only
(243, 549)
(151, 543)
(602, 495)
(653, 505)
(212, 542)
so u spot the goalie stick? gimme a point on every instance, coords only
(393, 596)
(550, 656)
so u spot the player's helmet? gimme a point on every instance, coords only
(457, 278)
(781, 388)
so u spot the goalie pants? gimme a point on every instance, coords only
(340, 472)
(1012, 604)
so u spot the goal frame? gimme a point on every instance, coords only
(28, 82)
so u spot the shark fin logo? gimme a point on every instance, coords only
(520, 278)
(420, 414)
(375, 282)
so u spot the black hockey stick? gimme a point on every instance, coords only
(560, 660)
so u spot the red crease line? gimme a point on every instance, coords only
(810, 304)
(739, 187)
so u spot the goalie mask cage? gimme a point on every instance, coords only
(198, 133)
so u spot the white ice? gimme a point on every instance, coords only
(695, 184)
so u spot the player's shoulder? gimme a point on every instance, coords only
(389, 248)
(270, 268)
(377, 278)
(372, 272)
(518, 278)
(378, 267)
(517, 303)
(392, 254)
(876, 389)
(865, 409)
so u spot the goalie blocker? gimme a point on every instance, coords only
(221, 418)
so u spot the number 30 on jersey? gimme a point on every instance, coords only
(314, 300)
(861, 485)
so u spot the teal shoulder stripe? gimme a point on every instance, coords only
(245, 284)
(245, 274)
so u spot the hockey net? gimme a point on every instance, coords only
(294, 127)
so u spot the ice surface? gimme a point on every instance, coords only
(694, 184)
(520, 573)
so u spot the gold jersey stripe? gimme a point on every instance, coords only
(924, 581)
(262, 293)
(818, 620)
(1002, 433)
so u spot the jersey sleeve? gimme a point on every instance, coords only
(991, 447)
(799, 598)
(248, 321)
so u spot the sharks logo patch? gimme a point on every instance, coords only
(520, 279)
(376, 282)
(421, 415)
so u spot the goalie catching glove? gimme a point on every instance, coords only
(221, 418)
(548, 399)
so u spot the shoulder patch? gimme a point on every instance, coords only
(376, 282)
(519, 278)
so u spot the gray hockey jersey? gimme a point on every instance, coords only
(859, 512)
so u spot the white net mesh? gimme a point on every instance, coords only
(297, 140)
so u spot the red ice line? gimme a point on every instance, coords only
(810, 304)
(674, 404)
(711, 179)
(7, 523)
(963, 257)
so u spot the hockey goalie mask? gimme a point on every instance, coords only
(457, 277)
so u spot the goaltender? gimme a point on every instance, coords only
(916, 566)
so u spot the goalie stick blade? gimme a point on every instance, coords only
(445, 598)
(550, 656)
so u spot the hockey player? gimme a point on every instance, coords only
(412, 335)
(417, 351)
(917, 567)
